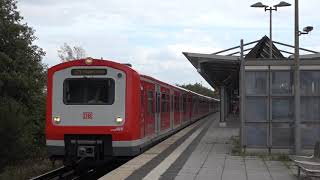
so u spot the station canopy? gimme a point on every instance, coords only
(222, 68)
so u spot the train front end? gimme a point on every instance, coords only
(87, 109)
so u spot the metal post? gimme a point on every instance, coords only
(270, 32)
(222, 107)
(242, 96)
(297, 81)
(226, 104)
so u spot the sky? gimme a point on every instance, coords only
(151, 35)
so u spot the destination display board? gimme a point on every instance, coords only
(82, 72)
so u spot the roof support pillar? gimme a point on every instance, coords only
(222, 106)
(297, 83)
(242, 96)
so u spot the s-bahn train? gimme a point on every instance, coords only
(98, 108)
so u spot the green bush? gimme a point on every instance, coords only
(22, 88)
(12, 131)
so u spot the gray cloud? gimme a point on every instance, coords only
(152, 34)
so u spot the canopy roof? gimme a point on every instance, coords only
(223, 70)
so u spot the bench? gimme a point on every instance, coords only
(311, 169)
(310, 165)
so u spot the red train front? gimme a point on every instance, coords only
(98, 109)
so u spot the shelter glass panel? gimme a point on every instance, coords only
(256, 109)
(282, 136)
(310, 108)
(256, 83)
(281, 82)
(256, 135)
(310, 82)
(282, 109)
(309, 135)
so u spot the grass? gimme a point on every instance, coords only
(28, 169)
(238, 151)
(236, 146)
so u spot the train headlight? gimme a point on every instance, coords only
(88, 61)
(56, 119)
(119, 120)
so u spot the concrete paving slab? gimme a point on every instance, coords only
(259, 176)
(185, 177)
(274, 163)
(238, 175)
(208, 171)
(189, 170)
(251, 158)
(209, 177)
(258, 170)
(283, 177)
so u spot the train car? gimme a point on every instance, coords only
(99, 108)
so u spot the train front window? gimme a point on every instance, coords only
(89, 91)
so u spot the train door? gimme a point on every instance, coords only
(158, 109)
(171, 108)
(193, 108)
(189, 107)
(142, 111)
(185, 107)
(149, 108)
(165, 111)
(181, 108)
(176, 109)
(196, 107)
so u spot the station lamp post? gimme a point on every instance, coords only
(270, 9)
(297, 99)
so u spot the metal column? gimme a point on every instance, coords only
(242, 96)
(270, 33)
(226, 104)
(222, 107)
(297, 82)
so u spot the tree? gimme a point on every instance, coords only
(22, 86)
(68, 53)
(198, 88)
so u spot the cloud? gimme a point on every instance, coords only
(152, 34)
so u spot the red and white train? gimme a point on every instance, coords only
(98, 108)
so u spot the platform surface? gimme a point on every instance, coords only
(199, 152)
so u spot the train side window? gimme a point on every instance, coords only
(164, 103)
(172, 105)
(150, 102)
(184, 104)
(176, 103)
(168, 102)
(142, 97)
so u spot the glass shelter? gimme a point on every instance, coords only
(264, 88)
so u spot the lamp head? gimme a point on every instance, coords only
(258, 5)
(308, 29)
(282, 4)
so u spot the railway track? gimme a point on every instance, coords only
(79, 171)
(60, 173)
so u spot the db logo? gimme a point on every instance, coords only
(87, 115)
